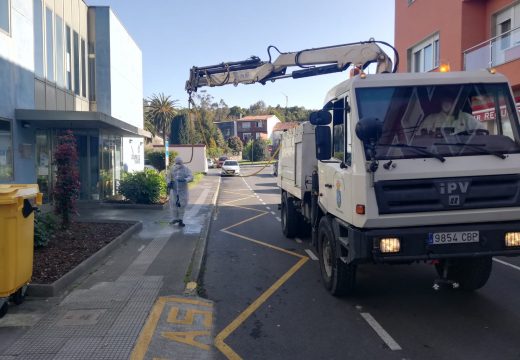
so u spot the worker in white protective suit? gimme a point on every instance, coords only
(178, 178)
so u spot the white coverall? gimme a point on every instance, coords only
(178, 177)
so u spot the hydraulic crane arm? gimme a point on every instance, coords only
(312, 62)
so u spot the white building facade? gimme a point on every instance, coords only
(64, 65)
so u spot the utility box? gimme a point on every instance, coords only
(16, 239)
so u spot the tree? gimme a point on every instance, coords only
(235, 145)
(180, 131)
(258, 108)
(236, 112)
(161, 110)
(66, 190)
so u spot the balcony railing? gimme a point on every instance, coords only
(493, 52)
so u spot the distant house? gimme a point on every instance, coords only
(279, 128)
(228, 128)
(256, 127)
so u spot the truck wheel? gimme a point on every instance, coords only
(470, 273)
(338, 278)
(289, 217)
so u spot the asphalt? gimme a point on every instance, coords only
(136, 303)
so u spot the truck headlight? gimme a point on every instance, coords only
(389, 245)
(512, 239)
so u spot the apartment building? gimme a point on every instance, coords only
(459, 34)
(65, 65)
(256, 127)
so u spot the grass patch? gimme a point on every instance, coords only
(197, 177)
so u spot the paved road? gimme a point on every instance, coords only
(270, 304)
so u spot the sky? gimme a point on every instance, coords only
(175, 35)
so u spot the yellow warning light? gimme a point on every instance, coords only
(492, 71)
(445, 67)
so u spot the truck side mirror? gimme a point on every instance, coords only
(369, 130)
(320, 117)
(323, 142)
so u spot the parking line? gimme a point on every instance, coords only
(298, 240)
(268, 208)
(389, 341)
(311, 254)
(272, 212)
(507, 264)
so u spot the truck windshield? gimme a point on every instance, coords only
(444, 120)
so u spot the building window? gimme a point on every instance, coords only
(6, 151)
(5, 15)
(425, 56)
(60, 67)
(259, 124)
(68, 58)
(83, 68)
(49, 43)
(246, 137)
(246, 125)
(258, 136)
(38, 38)
(76, 62)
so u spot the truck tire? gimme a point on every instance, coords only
(338, 278)
(289, 217)
(470, 273)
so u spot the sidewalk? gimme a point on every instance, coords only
(103, 314)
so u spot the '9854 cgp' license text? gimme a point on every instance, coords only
(457, 237)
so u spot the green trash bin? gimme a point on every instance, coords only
(16, 240)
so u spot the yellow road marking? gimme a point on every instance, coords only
(173, 316)
(187, 337)
(219, 339)
(142, 344)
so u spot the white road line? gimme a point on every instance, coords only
(311, 254)
(389, 341)
(277, 218)
(268, 208)
(298, 240)
(141, 248)
(507, 264)
(272, 212)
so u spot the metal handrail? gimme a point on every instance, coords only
(490, 40)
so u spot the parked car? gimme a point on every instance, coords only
(230, 167)
(211, 163)
(221, 161)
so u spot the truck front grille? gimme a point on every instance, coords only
(445, 194)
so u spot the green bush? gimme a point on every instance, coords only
(44, 226)
(156, 159)
(143, 187)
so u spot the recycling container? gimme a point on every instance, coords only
(16, 236)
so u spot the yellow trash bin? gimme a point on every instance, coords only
(16, 239)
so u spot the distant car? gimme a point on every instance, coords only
(211, 163)
(230, 168)
(221, 161)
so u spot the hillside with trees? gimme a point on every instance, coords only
(181, 126)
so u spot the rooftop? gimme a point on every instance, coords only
(282, 126)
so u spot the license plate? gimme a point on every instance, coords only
(457, 237)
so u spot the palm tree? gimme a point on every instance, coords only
(160, 112)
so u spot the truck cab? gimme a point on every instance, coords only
(401, 179)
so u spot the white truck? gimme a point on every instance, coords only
(391, 171)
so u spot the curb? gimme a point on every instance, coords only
(199, 253)
(54, 289)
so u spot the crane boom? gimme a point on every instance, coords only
(312, 62)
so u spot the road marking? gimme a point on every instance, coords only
(219, 339)
(141, 248)
(179, 316)
(272, 212)
(311, 254)
(298, 240)
(507, 264)
(389, 341)
(268, 208)
(277, 218)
